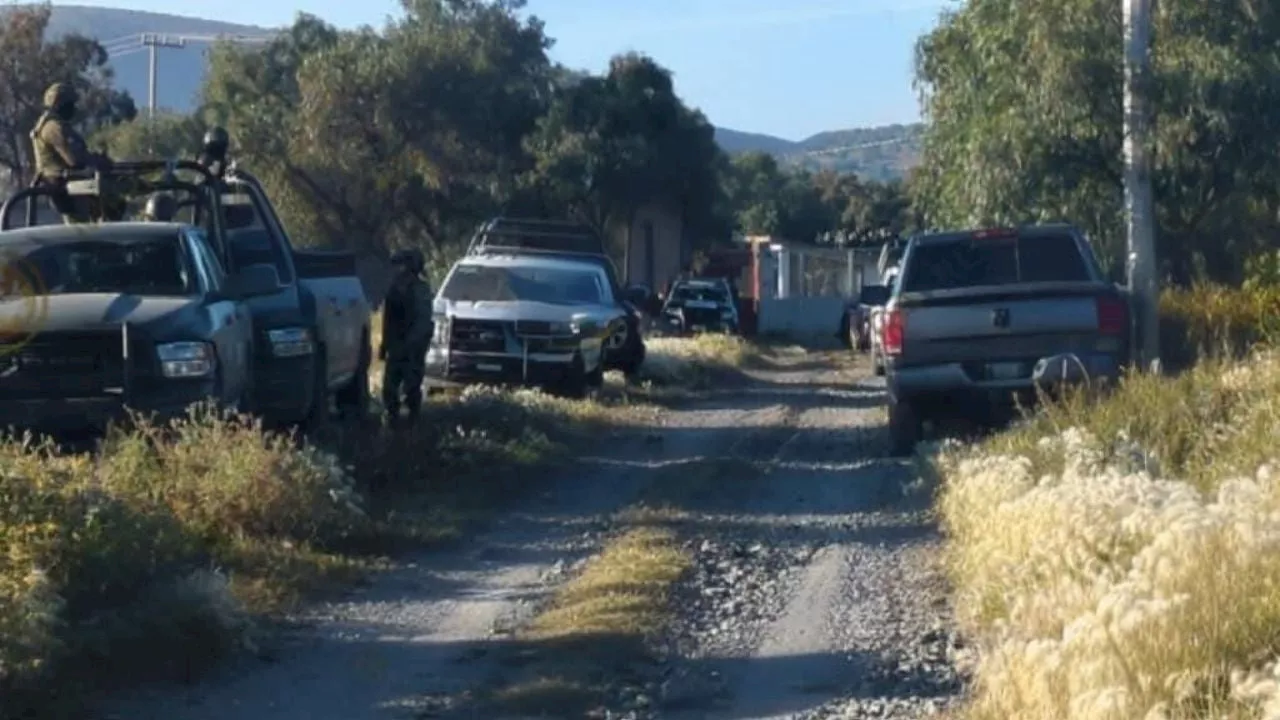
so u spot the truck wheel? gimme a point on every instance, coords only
(353, 399)
(318, 413)
(905, 428)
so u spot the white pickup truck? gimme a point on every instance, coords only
(979, 319)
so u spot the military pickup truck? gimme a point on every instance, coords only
(523, 319)
(313, 334)
(979, 319)
(111, 316)
(96, 318)
(624, 349)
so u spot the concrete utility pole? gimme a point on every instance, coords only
(1144, 286)
(153, 43)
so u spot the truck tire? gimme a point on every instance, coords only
(353, 399)
(905, 428)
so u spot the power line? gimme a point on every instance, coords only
(152, 42)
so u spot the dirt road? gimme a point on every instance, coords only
(815, 594)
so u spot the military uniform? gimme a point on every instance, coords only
(58, 147)
(406, 336)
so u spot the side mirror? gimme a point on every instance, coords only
(253, 281)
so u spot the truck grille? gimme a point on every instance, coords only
(701, 316)
(63, 365)
(478, 336)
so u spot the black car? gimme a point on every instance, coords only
(855, 330)
(700, 305)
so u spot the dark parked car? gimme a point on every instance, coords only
(855, 329)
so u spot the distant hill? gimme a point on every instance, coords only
(877, 153)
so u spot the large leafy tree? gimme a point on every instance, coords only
(380, 139)
(609, 145)
(1025, 123)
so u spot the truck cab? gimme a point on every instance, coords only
(314, 333)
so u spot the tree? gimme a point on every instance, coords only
(609, 145)
(1025, 123)
(377, 140)
(31, 64)
(168, 135)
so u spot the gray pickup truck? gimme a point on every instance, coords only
(978, 320)
(312, 335)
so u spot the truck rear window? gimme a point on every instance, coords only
(974, 262)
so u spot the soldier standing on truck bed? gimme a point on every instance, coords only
(406, 334)
(58, 147)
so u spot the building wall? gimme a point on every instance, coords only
(667, 260)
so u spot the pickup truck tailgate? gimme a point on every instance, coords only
(1009, 324)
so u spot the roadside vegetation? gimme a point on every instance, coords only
(166, 548)
(1116, 556)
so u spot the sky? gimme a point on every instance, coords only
(789, 68)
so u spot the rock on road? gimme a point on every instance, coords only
(816, 592)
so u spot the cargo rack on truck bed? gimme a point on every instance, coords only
(522, 234)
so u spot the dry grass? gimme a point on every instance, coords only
(1120, 557)
(600, 626)
(695, 362)
(105, 558)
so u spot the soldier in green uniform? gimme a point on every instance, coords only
(58, 147)
(406, 334)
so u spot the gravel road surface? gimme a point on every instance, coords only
(816, 592)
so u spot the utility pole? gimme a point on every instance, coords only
(153, 43)
(1144, 286)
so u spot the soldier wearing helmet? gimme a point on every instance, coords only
(213, 153)
(406, 333)
(160, 207)
(59, 147)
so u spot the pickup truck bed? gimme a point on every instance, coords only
(982, 319)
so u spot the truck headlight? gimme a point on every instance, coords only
(186, 359)
(440, 330)
(291, 342)
(584, 326)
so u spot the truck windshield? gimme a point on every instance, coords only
(689, 293)
(478, 283)
(983, 262)
(154, 265)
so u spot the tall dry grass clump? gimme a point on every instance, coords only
(144, 556)
(695, 361)
(1121, 558)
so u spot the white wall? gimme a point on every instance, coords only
(801, 316)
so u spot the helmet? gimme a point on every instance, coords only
(410, 259)
(161, 207)
(59, 95)
(216, 141)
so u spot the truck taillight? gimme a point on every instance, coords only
(892, 331)
(1113, 316)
